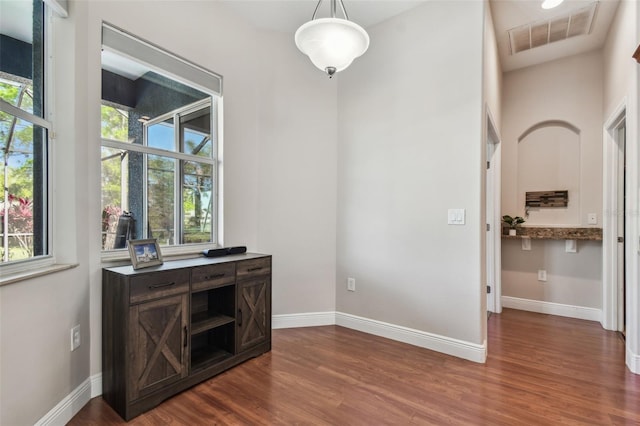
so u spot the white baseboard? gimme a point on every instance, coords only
(96, 385)
(633, 361)
(571, 311)
(447, 345)
(459, 348)
(309, 319)
(68, 407)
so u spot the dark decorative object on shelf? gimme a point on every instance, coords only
(547, 199)
(513, 223)
(224, 251)
(144, 253)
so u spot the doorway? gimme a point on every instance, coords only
(615, 226)
(621, 215)
(493, 227)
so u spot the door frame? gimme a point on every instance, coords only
(610, 259)
(493, 243)
(610, 200)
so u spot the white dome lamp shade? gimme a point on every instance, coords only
(550, 4)
(332, 43)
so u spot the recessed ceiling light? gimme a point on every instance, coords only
(550, 4)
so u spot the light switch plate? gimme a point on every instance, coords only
(455, 217)
(526, 243)
(592, 219)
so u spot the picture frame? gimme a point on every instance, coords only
(144, 253)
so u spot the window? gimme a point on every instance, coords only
(24, 147)
(160, 146)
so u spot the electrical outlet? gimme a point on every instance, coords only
(75, 337)
(351, 284)
(542, 275)
(592, 219)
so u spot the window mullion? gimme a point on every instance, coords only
(145, 196)
(23, 115)
(179, 176)
(125, 146)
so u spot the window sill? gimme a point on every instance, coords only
(13, 278)
(168, 253)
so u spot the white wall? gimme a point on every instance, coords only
(37, 369)
(619, 67)
(297, 150)
(621, 88)
(570, 90)
(279, 184)
(410, 147)
(492, 70)
(573, 279)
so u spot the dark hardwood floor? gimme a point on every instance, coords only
(541, 370)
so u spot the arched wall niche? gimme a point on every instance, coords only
(549, 160)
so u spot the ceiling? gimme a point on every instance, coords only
(509, 14)
(288, 15)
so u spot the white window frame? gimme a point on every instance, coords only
(20, 269)
(173, 66)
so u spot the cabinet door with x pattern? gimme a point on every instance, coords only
(158, 344)
(254, 312)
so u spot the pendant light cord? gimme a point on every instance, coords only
(333, 9)
(344, 11)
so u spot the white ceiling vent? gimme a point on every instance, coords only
(575, 23)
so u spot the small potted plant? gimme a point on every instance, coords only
(512, 222)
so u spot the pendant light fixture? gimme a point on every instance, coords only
(332, 43)
(550, 4)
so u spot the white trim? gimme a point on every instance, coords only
(160, 60)
(60, 7)
(35, 271)
(571, 311)
(96, 385)
(309, 319)
(493, 134)
(633, 361)
(182, 251)
(610, 220)
(434, 342)
(68, 407)
(447, 345)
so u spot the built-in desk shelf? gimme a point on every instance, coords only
(541, 233)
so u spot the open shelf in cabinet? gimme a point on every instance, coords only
(212, 346)
(212, 325)
(204, 321)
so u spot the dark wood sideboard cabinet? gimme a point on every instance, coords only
(169, 327)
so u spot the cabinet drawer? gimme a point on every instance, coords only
(254, 267)
(211, 276)
(156, 285)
